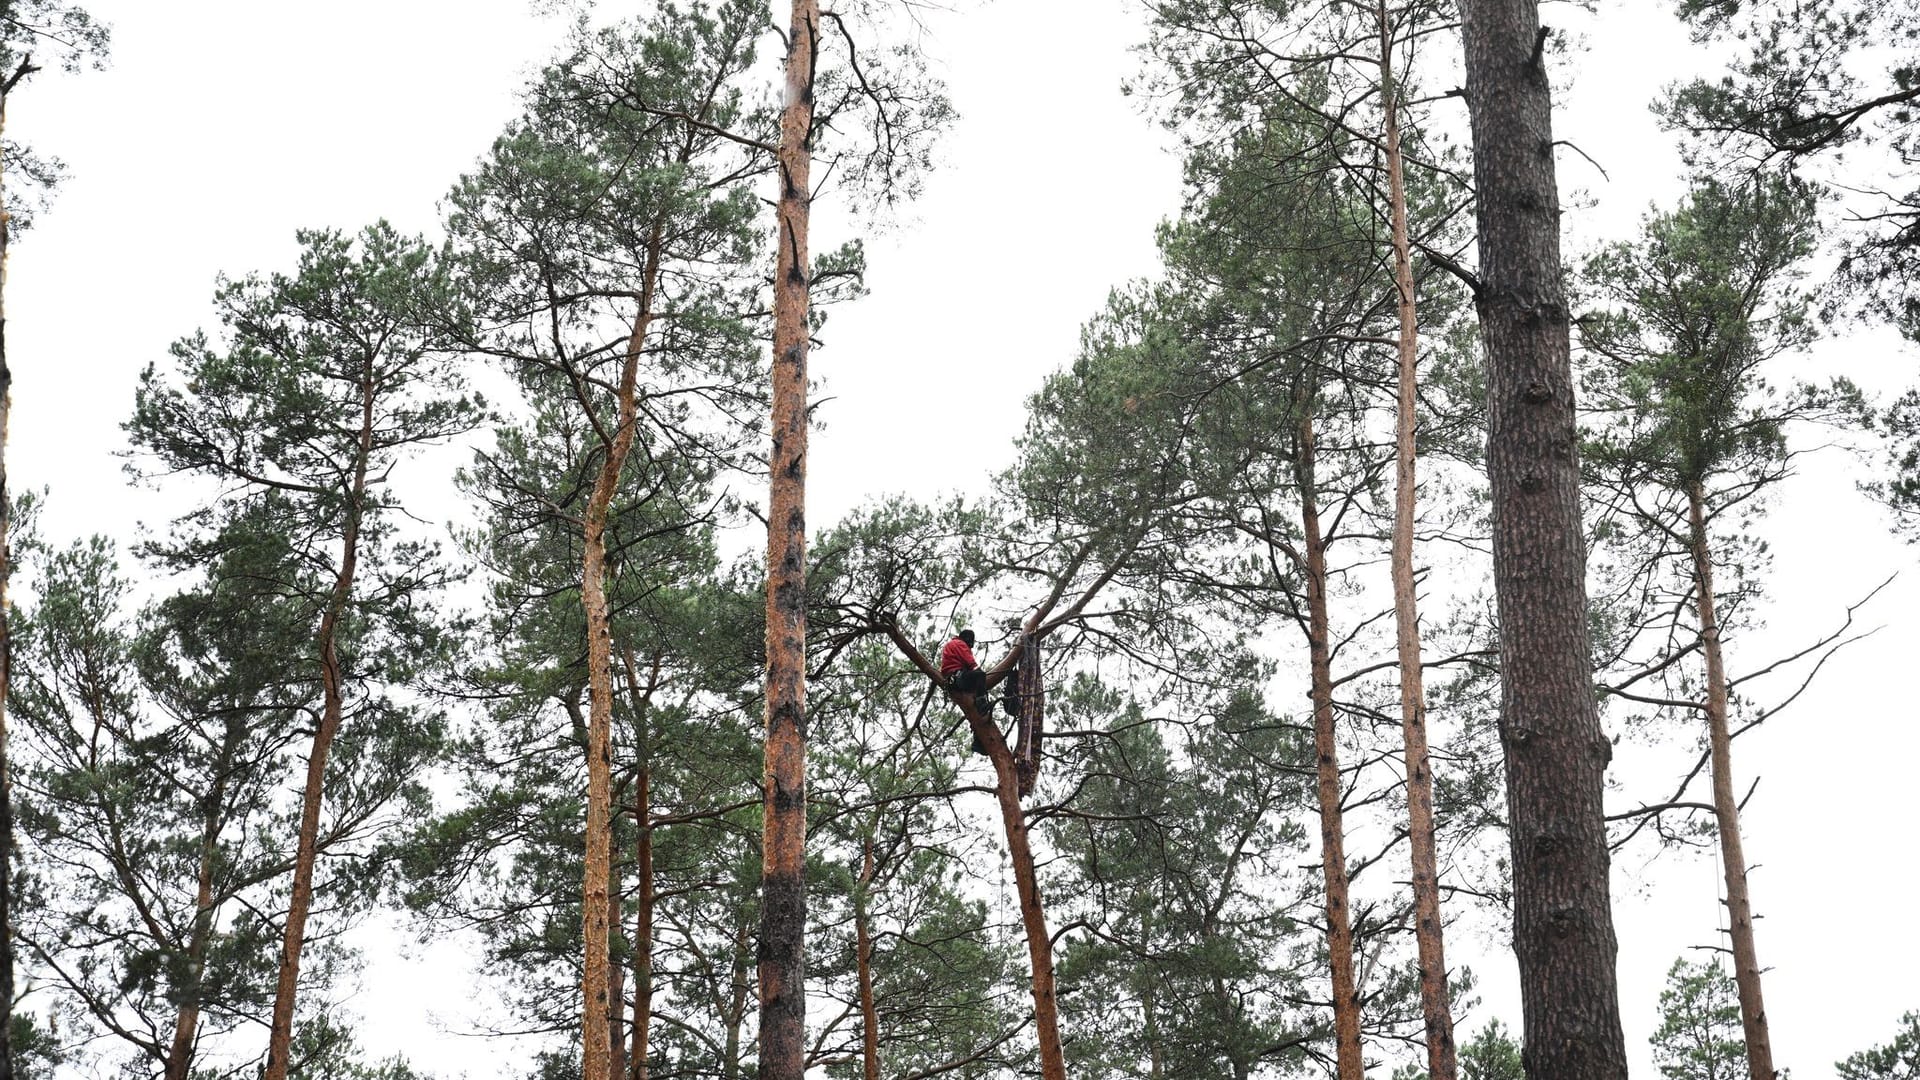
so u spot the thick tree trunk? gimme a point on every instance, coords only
(863, 960)
(1326, 754)
(596, 927)
(280, 1033)
(1556, 752)
(1434, 1004)
(783, 911)
(1726, 810)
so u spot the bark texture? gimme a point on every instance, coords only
(595, 979)
(1726, 809)
(332, 691)
(783, 912)
(1435, 1007)
(1046, 1011)
(1556, 752)
(863, 960)
(1326, 756)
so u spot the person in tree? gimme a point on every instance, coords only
(961, 671)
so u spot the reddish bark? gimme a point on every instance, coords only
(863, 960)
(782, 953)
(280, 1032)
(1326, 753)
(1434, 1005)
(1726, 810)
(596, 1036)
(1046, 1013)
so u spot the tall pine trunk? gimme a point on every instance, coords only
(595, 904)
(1556, 752)
(6, 620)
(1326, 755)
(1434, 1004)
(332, 690)
(863, 961)
(783, 911)
(1726, 811)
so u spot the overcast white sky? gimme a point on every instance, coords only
(222, 125)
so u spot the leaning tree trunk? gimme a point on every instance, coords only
(1434, 1004)
(280, 1033)
(596, 926)
(1726, 811)
(1556, 752)
(1046, 1012)
(783, 911)
(1326, 753)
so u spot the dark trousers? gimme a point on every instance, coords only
(972, 681)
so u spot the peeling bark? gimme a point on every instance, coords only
(1434, 1005)
(596, 1038)
(783, 913)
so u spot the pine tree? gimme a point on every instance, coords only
(351, 334)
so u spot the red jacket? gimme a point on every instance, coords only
(956, 656)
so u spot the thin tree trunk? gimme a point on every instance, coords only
(737, 1007)
(1046, 1013)
(1326, 753)
(643, 924)
(616, 981)
(643, 864)
(1726, 811)
(1434, 1004)
(783, 910)
(6, 614)
(187, 1023)
(280, 1034)
(596, 929)
(179, 1063)
(863, 959)
(1556, 752)
(1150, 1027)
